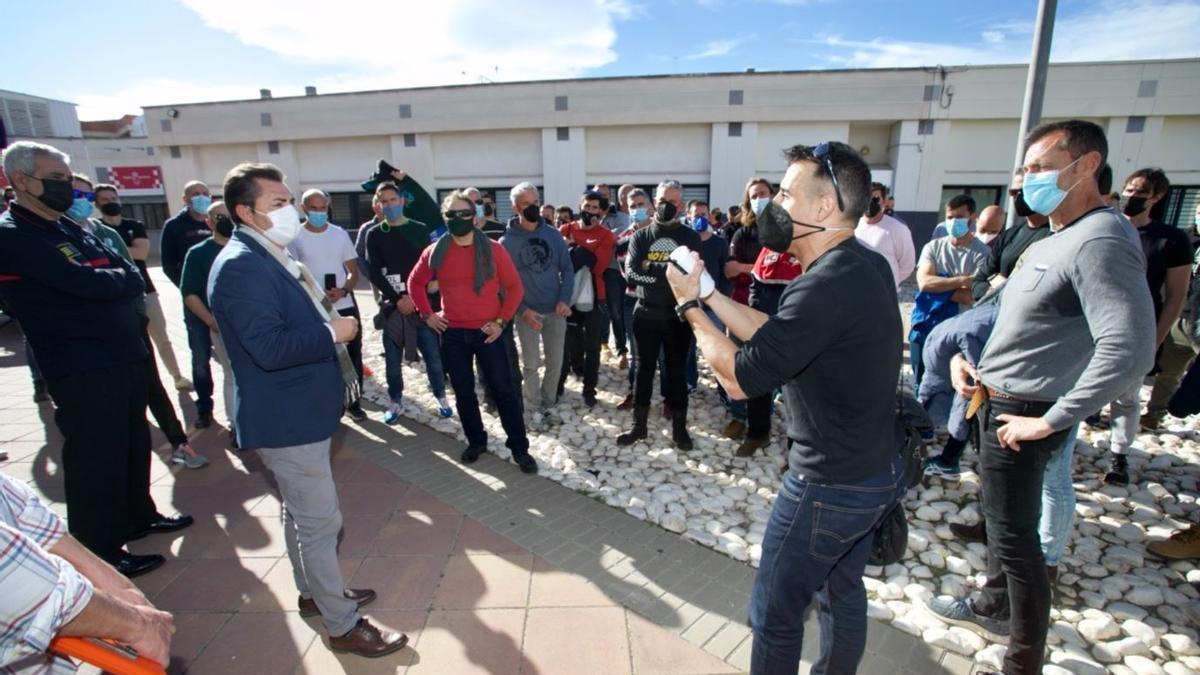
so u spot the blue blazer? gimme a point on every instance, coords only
(287, 381)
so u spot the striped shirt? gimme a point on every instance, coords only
(39, 591)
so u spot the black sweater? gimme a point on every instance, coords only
(179, 234)
(73, 299)
(646, 266)
(392, 253)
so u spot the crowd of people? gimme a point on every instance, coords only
(1017, 336)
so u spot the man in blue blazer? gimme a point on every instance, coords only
(286, 350)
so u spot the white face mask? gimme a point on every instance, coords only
(986, 237)
(285, 224)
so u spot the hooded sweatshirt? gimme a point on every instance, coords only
(543, 263)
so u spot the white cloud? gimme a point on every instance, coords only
(371, 45)
(1107, 31)
(127, 99)
(715, 48)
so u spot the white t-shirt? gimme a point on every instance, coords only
(891, 239)
(326, 252)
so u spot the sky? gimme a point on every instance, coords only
(130, 53)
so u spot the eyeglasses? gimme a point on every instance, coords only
(90, 196)
(821, 152)
(461, 213)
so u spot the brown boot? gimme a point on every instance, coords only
(362, 596)
(367, 640)
(752, 445)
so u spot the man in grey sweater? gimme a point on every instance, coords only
(540, 255)
(1076, 328)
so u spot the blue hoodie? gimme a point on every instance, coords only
(542, 261)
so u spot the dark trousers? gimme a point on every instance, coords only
(106, 454)
(200, 344)
(614, 288)
(815, 548)
(157, 398)
(672, 338)
(1017, 586)
(585, 334)
(758, 416)
(514, 363)
(354, 347)
(462, 346)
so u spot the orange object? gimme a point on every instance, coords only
(367, 372)
(106, 655)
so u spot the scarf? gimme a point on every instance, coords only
(324, 307)
(484, 267)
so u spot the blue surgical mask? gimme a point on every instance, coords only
(699, 223)
(758, 204)
(393, 211)
(1041, 190)
(80, 209)
(200, 203)
(318, 218)
(640, 214)
(958, 227)
(479, 211)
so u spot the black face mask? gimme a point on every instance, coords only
(110, 209)
(57, 195)
(222, 225)
(1133, 205)
(775, 228)
(1020, 206)
(665, 212)
(587, 219)
(873, 209)
(460, 227)
(488, 210)
(531, 213)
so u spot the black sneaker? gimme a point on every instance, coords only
(976, 532)
(472, 453)
(204, 420)
(589, 399)
(356, 413)
(527, 463)
(1118, 474)
(961, 612)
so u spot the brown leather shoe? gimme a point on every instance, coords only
(367, 640)
(363, 596)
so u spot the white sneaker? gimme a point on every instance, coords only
(183, 384)
(189, 458)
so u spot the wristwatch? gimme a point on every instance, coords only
(681, 310)
(500, 322)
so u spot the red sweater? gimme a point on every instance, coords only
(600, 241)
(461, 306)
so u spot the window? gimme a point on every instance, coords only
(984, 195)
(165, 123)
(564, 133)
(925, 127)
(1181, 205)
(350, 210)
(410, 140)
(265, 119)
(272, 147)
(405, 111)
(560, 103)
(735, 129)
(736, 96)
(1135, 124)
(175, 153)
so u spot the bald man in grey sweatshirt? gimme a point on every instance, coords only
(1076, 328)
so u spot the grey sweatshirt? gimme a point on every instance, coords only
(542, 261)
(1076, 322)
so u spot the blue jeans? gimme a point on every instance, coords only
(815, 548)
(918, 367)
(1058, 500)
(393, 354)
(200, 343)
(463, 346)
(693, 366)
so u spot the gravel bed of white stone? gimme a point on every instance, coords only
(1117, 608)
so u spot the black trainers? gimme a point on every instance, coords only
(472, 453)
(589, 399)
(356, 413)
(527, 463)
(204, 420)
(1118, 474)
(961, 612)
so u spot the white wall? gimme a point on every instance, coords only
(647, 154)
(487, 158)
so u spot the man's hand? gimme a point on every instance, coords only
(398, 175)
(997, 280)
(562, 309)
(154, 637)
(437, 323)
(492, 330)
(1017, 429)
(213, 327)
(133, 595)
(432, 287)
(532, 319)
(406, 305)
(335, 294)
(685, 286)
(344, 328)
(963, 376)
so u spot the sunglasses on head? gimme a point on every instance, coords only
(90, 196)
(822, 154)
(461, 214)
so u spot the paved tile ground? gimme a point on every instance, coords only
(486, 569)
